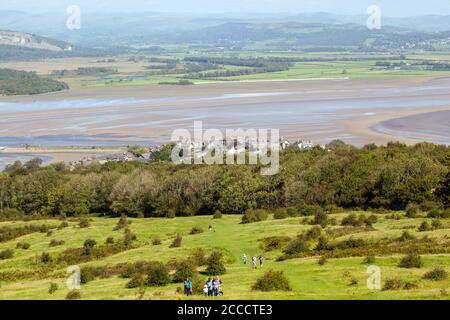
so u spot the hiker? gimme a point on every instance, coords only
(244, 259)
(205, 290)
(210, 228)
(254, 262)
(261, 260)
(187, 287)
(216, 286)
(209, 284)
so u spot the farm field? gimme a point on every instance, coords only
(24, 276)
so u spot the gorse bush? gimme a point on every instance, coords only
(54, 243)
(23, 245)
(52, 288)
(412, 210)
(176, 243)
(252, 215)
(129, 237)
(397, 284)
(156, 241)
(272, 281)
(184, 269)
(73, 295)
(280, 213)
(436, 274)
(45, 258)
(197, 256)
(157, 275)
(122, 223)
(214, 264)
(217, 215)
(411, 260)
(6, 254)
(84, 223)
(274, 243)
(196, 230)
(406, 236)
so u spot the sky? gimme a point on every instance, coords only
(393, 8)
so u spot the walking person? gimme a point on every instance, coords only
(261, 260)
(244, 259)
(187, 287)
(254, 262)
(209, 284)
(216, 286)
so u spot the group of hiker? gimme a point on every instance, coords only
(254, 263)
(212, 287)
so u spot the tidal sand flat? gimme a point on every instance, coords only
(431, 126)
(301, 110)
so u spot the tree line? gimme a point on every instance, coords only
(14, 82)
(389, 177)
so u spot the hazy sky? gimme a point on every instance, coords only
(389, 7)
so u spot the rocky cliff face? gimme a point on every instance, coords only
(26, 40)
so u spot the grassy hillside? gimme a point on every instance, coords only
(24, 276)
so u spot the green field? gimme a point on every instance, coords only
(309, 280)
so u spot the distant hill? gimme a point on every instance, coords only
(16, 45)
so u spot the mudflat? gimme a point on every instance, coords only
(316, 110)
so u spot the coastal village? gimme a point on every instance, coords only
(151, 154)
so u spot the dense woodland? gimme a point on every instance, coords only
(389, 177)
(13, 82)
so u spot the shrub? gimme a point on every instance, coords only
(310, 210)
(63, 225)
(55, 243)
(436, 274)
(88, 245)
(321, 218)
(397, 284)
(297, 245)
(157, 275)
(73, 295)
(292, 212)
(217, 215)
(23, 245)
(272, 281)
(49, 233)
(439, 214)
(214, 264)
(353, 281)
(198, 257)
(176, 243)
(313, 234)
(109, 240)
(406, 236)
(84, 223)
(45, 258)
(137, 281)
(424, 226)
(274, 243)
(436, 224)
(412, 210)
(196, 230)
(52, 288)
(252, 215)
(184, 269)
(128, 237)
(6, 254)
(280, 213)
(156, 241)
(122, 223)
(369, 260)
(411, 260)
(322, 261)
